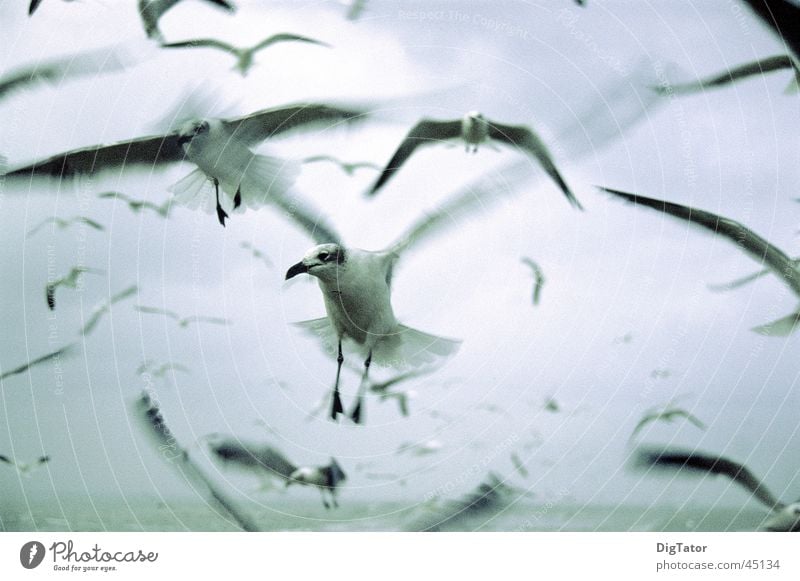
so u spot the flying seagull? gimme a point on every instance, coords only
(69, 280)
(420, 449)
(151, 12)
(769, 64)
(257, 253)
(356, 287)
(519, 465)
(347, 167)
(751, 243)
(786, 518)
(25, 469)
(53, 356)
(273, 463)
(221, 149)
(156, 370)
(104, 308)
(137, 206)
(538, 279)
(183, 322)
(474, 129)
(666, 414)
(62, 223)
(244, 56)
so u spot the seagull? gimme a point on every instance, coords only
(70, 280)
(272, 462)
(25, 469)
(137, 206)
(474, 129)
(220, 148)
(160, 370)
(183, 322)
(382, 389)
(257, 253)
(751, 243)
(420, 449)
(83, 64)
(244, 56)
(785, 518)
(766, 65)
(538, 278)
(104, 308)
(55, 355)
(62, 223)
(665, 414)
(151, 12)
(347, 167)
(551, 405)
(519, 465)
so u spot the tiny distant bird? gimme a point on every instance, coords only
(474, 129)
(551, 405)
(161, 370)
(785, 518)
(660, 373)
(421, 448)
(62, 223)
(69, 280)
(383, 390)
(137, 206)
(538, 278)
(355, 8)
(244, 56)
(492, 409)
(751, 243)
(519, 465)
(759, 67)
(257, 253)
(665, 414)
(183, 322)
(53, 356)
(346, 167)
(220, 148)
(151, 12)
(25, 469)
(271, 462)
(626, 338)
(105, 308)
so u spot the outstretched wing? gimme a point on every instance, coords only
(202, 43)
(426, 132)
(39, 360)
(525, 139)
(739, 282)
(287, 37)
(306, 216)
(766, 65)
(750, 242)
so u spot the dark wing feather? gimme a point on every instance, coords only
(43, 359)
(783, 17)
(150, 151)
(426, 132)
(18, 79)
(34, 5)
(256, 127)
(274, 462)
(766, 65)
(712, 465)
(202, 43)
(750, 242)
(286, 37)
(524, 138)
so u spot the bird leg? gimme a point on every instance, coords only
(221, 214)
(336, 405)
(324, 500)
(355, 415)
(237, 199)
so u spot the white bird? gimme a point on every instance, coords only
(220, 148)
(666, 414)
(70, 280)
(785, 518)
(356, 288)
(183, 322)
(420, 448)
(151, 12)
(104, 308)
(25, 469)
(773, 257)
(244, 56)
(474, 129)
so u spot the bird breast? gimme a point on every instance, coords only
(474, 130)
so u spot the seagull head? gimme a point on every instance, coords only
(306, 475)
(322, 261)
(193, 130)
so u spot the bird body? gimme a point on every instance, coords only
(474, 130)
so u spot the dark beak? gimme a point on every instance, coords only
(298, 268)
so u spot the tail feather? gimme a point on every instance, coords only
(266, 177)
(194, 191)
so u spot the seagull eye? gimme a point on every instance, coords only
(323, 256)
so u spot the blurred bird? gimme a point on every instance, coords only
(104, 308)
(665, 414)
(70, 280)
(356, 287)
(538, 278)
(137, 206)
(84, 64)
(551, 405)
(257, 253)
(751, 243)
(519, 465)
(183, 322)
(785, 518)
(25, 469)
(271, 462)
(151, 12)
(219, 147)
(161, 370)
(62, 223)
(740, 282)
(244, 56)
(421, 448)
(767, 65)
(53, 356)
(348, 168)
(474, 129)
(355, 8)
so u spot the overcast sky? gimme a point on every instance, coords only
(581, 77)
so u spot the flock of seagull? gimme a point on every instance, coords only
(356, 284)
